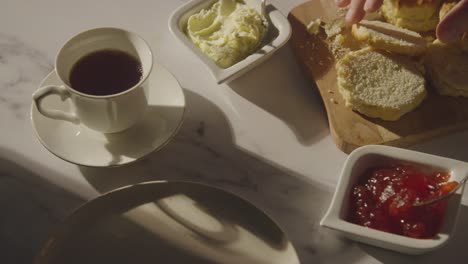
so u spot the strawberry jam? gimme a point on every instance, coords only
(383, 199)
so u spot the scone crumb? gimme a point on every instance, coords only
(334, 27)
(314, 26)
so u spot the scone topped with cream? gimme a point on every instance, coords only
(417, 15)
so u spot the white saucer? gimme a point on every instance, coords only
(83, 146)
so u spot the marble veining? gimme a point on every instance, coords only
(21, 68)
(30, 208)
(205, 150)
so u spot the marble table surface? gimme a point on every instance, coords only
(263, 136)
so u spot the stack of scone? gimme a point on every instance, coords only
(382, 80)
(447, 65)
(447, 69)
(417, 15)
(386, 78)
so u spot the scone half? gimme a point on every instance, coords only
(380, 85)
(417, 15)
(385, 36)
(447, 69)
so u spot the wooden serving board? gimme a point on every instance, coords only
(437, 115)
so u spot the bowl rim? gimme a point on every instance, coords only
(333, 220)
(276, 18)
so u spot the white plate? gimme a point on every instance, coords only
(278, 34)
(168, 222)
(83, 146)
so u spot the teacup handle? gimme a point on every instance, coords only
(60, 90)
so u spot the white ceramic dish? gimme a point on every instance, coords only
(369, 156)
(278, 34)
(168, 222)
(82, 146)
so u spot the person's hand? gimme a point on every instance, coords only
(358, 8)
(454, 24)
(451, 27)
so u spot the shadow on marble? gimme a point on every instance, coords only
(30, 207)
(453, 252)
(302, 110)
(144, 135)
(451, 146)
(22, 66)
(204, 151)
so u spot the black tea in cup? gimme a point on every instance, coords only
(105, 72)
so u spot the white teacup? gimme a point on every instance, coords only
(105, 113)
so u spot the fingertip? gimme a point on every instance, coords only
(356, 12)
(342, 3)
(452, 27)
(349, 21)
(368, 7)
(354, 16)
(447, 35)
(372, 5)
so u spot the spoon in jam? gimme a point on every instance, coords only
(448, 189)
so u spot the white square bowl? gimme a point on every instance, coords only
(375, 155)
(278, 34)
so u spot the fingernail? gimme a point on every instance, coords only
(349, 17)
(367, 6)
